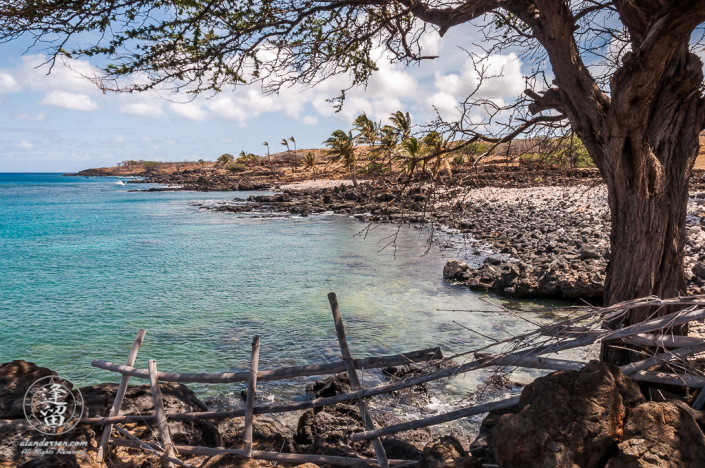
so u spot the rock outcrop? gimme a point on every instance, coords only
(571, 419)
(15, 379)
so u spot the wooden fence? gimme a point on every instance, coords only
(561, 336)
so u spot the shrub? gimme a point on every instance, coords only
(149, 166)
(235, 167)
(374, 169)
(247, 159)
(225, 158)
(309, 160)
(458, 160)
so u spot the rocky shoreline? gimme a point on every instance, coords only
(518, 242)
(592, 418)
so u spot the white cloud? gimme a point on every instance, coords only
(308, 120)
(145, 138)
(501, 77)
(25, 144)
(226, 140)
(170, 141)
(120, 138)
(40, 117)
(142, 109)
(79, 102)
(8, 84)
(189, 110)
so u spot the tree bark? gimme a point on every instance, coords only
(648, 157)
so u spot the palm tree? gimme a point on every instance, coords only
(286, 143)
(413, 149)
(291, 139)
(268, 157)
(310, 161)
(435, 143)
(401, 121)
(342, 149)
(368, 132)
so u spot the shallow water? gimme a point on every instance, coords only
(84, 264)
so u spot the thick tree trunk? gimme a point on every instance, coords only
(647, 165)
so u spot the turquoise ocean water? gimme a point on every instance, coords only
(84, 264)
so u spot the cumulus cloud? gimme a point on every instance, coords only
(79, 102)
(8, 84)
(309, 120)
(189, 110)
(24, 144)
(493, 76)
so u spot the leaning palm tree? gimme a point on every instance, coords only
(401, 122)
(268, 157)
(291, 139)
(342, 149)
(285, 143)
(368, 132)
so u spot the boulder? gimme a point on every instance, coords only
(15, 379)
(447, 452)
(178, 398)
(699, 270)
(455, 270)
(660, 435)
(399, 449)
(567, 418)
(330, 386)
(483, 446)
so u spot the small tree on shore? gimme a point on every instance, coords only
(225, 159)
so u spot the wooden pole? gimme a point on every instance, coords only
(159, 412)
(119, 395)
(439, 419)
(666, 341)
(374, 362)
(250, 403)
(700, 401)
(272, 456)
(661, 358)
(347, 359)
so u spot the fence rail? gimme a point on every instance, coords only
(653, 334)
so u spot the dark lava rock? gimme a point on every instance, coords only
(398, 449)
(53, 461)
(660, 435)
(447, 452)
(483, 445)
(567, 418)
(15, 379)
(177, 398)
(699, 270)
(331, 386)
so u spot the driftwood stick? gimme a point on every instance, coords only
(250, 403)
(272, 456)
(354, 380)
(679, 380)
(666, 341)
(158, 451)
(663, 357)
(159, 412)
(439, 419)
(379, 362)
(119, 395)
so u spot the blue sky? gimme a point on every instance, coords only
(61, 122)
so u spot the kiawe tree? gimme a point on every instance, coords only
(638, 114)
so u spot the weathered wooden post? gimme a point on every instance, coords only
(120, 395)
(354, 380)
(250, 402)
(159, 411)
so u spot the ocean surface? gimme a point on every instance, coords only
(85, 263)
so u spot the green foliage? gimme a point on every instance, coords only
(458, 160)
(235, 167)
(309, 160)
(150, 166)
(341, 148)
(247, 158)
(374, 169)
(225, 159)
(565, 153)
